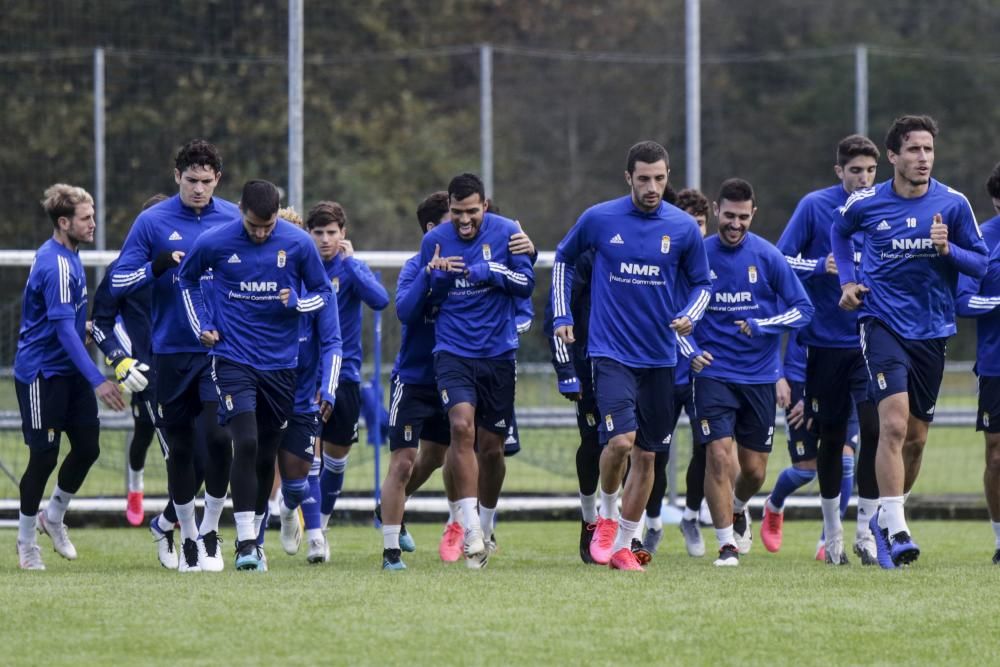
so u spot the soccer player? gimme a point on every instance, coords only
(835, 375)
(477, 280)
(695, 204)
(355, 285)
(642, 248)
(919, 235)
(55, 379)
(736, 358)
(266, 272)
(980, 299)
(122, 330)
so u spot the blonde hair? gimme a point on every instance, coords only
(61, 201)
(291, 215)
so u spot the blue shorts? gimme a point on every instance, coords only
(586, 407)
(299, 438)
(183, 383)
(51, 405)
(488, 384)
(635, 399)
(270, 395)
(415, 414)
(836, 380)
(512, 444)
(342, 426)
(803, 443)
(897, 365)
(988, 414)
(744, 412)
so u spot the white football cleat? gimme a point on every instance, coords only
(476, 552)
(291, 530)
(59, 536)
(29, 556)
(319, 550)
(189, 557)
(210, 553)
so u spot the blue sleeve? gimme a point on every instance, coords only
(56, 287)
(193, 266)
(841, 243)
(371, 291)
(317, 291)
(790, 291)
(970, 301)
(796, 238)
(687, 346)
(573, 244)
(134, 269)
(562, 362)
(103, 316)
(70, 340)
(412, 290)
(695, 266)
(331, 349)
(967, 251)
(516, 278)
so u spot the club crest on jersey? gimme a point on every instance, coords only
(609, 423)
(752, 273)
(282, 258)
(444, 396)
(408, 433)
(705, 428)
(336, 285)
(665, 245)
(229, 402)
(881, 381)
(591, 421)
(487, 253)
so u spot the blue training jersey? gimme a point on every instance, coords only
(912, 287)
(639, 258)
(980, 299)
(415, 361)
(354, 284)
(751, 282)
(122, 326)
(478, 309)
(794, 362)
(806, 245)
(255, 328)
(56, 294)
(166, 227)
(320, 350)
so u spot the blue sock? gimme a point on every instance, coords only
(263, 528)
(331, 481)
(294, 491)
(788, 482)
(846, 484)
(310, 505)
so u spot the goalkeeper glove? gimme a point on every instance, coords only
(131, 373)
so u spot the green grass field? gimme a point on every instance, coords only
(536, 604)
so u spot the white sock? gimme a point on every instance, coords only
(185, 517)
(771, 507)
(690, 514)
(213, 511)
(244, 526)
(390, 536)
(134, 480)
(486, 516)
(454, 512)
(26, 529)
(163, 524)
(588, 507)
(626, 531)
(609, 505)
(866, 510)
(832, 526)
(906, 496)
(892, 513)
(258, 519)
(739, 505)
(55, 512)
(654, 523)
(324, 521)
(996, 531)
(725, 536)
(469, 513)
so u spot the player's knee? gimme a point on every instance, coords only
(463, 429)
(892, 431)
(993, 457)
(401, 466)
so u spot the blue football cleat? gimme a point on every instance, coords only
(391, 560)
(406, 542)
(250, 557)
(882, 547)
(904, 550)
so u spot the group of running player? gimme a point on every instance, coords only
(237, 328)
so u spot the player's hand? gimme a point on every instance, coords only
(325, 411)
(852, 295)
(745, 327)
(797, 415)
(131, 373)
(109, 394)
(289, 298)
(939, 235)
(701, 361)
(347, 248)
(682, 325)
(520, 243)
(209, 338)
(783, 392)
(565, 334)
(831, 265)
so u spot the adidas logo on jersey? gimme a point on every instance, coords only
(235, 259)
(175, 237)
(883, 226)
(617, 240)
(712, 276)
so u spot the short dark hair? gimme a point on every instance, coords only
(326, 213)
(198, 153)
(260, 197)
(903, 125)
(648, 152)
(154, 200)
(670, 195)
(993, 182)
(466, 185)
(736, 189)
(692, 201)
(432, 209)
(854, 145)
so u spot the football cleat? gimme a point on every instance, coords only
(392, 559)
(834, 552)
(903, 550)
(209, 552)
(996, 556)
(29, 556)
(742, 532)
(770, 529)
(250, 557)
(603, 540)
(133, 508)
(821, 551)
(729, 556)
(59, 536)
(476, 552)
(189, 557)
(864, 549)
(450, 547)
(692, 537)
(651, 540)
(640, 553)
(491, 544)
(406, 542)
(882, 549)
(586, 535)
(164, 539)
(625, 559)
(291, 530)
(319, 550)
